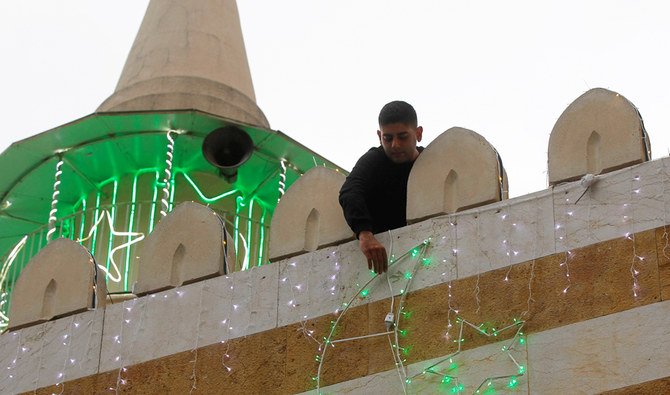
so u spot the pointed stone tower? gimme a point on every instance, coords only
(188, 55)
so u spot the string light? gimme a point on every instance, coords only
(138, 237)
(4, 292)
(194, 375)
(416, 252)
(510, 379)
(54, 200)
(565, 263)
(168, 173)
(303, 321)
(634, 272)
(282, 179)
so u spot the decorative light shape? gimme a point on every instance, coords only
(138, 237)
(363, 292)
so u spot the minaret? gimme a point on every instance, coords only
(188, 55)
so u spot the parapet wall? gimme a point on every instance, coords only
(572, 282)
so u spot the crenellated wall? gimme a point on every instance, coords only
(573, 281)
(482, 294)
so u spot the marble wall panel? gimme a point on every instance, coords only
(323, 282)
(151, 327)
(601, 354)
(504, 233)
(293, 293)
(52, 352)
(216, 319)
(626, 201)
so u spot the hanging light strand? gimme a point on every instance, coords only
(54, 200)
(165, 205)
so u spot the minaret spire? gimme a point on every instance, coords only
(188, 55)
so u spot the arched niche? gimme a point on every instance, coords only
(458, 170)
(62, 279)
(599, 132)
(309, 215)
(187, 245)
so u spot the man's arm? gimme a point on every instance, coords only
(356, 212)
(374, 251)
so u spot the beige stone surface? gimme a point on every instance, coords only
(134, 332)
(480, 240)
(501, 234)
(186, 245)
(188, 55)
(600, 131)
(624, 201)
(602, 354)
(58, 281)
(309, 215)
(456, 171)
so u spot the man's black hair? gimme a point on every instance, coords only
(397, 112)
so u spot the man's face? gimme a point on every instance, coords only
(399, 141)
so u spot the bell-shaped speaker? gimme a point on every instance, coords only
(227, 148)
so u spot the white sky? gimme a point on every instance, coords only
(323, 69)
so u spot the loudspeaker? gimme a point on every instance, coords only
(227, 148)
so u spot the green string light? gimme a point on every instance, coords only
(154, 201)
(96, 215)
(83, 218)
(261, 243)
(110, 241)
(131, 220)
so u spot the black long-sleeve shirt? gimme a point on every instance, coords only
(374, 195)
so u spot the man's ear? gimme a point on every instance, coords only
(419, 132)
(379, 134)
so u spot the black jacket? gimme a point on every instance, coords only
(374, 195)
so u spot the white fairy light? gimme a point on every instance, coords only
(54, 200)
(168, 174)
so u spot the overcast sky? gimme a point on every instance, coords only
(323, 69)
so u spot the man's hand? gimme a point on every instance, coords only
(374, 251)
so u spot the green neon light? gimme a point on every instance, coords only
(261, 243)
(72, 228)
(133, 199)
(110, 241)
(239, 202)
(154, 200)
(202, 195)
(247, 253)
(97, 216)
(171, 194)
(83, 218)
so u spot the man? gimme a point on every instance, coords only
(374, 195)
